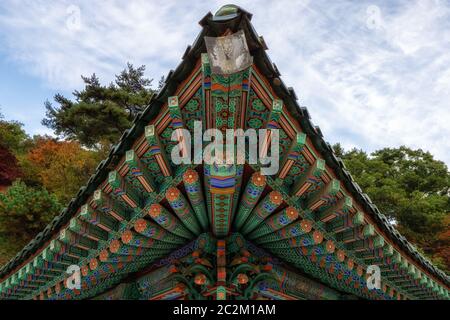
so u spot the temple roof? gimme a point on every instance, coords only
(231, 18)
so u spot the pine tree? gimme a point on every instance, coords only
(100, 113)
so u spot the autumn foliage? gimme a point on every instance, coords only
(9, 168)
(61, 166)
(50, 173)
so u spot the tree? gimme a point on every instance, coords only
(62, 166)
(12, 136)
(416, 170)
(161, 82)
(411, 188)
(13, 141)
(100, 113)
(441, 247)
(24, 212)
(9, 168)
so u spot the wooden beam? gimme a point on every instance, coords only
(345, 222)
(342, 207)
(152, 230)
(271, 123)
(69, 237)
(156, 150)
(262, 211)
(194, 192)
(275, 222)
(182, 209)
(136, 170)
(366, 244)
(295, 229)
(99, 219)
(119, 188)
(309, 178)
(88, 230)
(324, 195)
(168, 221)
(292, 155)
(356, 233)
(253, 190)
(105, 204)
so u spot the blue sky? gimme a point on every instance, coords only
(372, 73)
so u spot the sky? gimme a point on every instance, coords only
(373, 74)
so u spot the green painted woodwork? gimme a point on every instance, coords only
(182, 209)
(168, 221)
(293, 230)
(88, 230)
(357, 233)
(310, 178)
(275, 222)
(122, 191)
(252, 192)
(194, 192)
(109, 206)
(98, 219)
(324, 196)
(69, 237)
(156, 151)
(342, 207)
(292, 155)
(262, 211)
(345, 222)
(137, 173)
(151, 230)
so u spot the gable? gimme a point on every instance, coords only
(140, 206)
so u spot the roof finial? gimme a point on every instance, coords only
(226, 10)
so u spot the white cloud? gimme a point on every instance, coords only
(371, 76)
(55, 43)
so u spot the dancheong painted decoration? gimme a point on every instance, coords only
(144, 227)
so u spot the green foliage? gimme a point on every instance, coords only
(12, 136)
(25, 211)
(9, 248)
(421, 216)
(411, 188)
(416, 170)
(100, 113)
